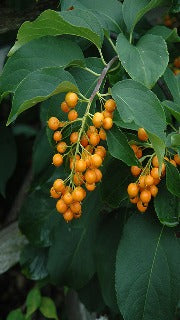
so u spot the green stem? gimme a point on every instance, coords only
(111, 43)
(102, 58)
(93, 72)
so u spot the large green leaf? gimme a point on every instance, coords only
(33, 301)
(136, 103)
(173, 108)
(37, 217)
(106, 258)
(39, 86)
(7, 158)
(37, 54)
(167, 207)
(16, 315)
(170, 35)
(172, 179)
(109, 14)
(146, 61)
(147, 275)
(115, 180)
(133, 11)
(75, 22)
(119, 147)
(173, 83)
(71, 259)
(34, 262)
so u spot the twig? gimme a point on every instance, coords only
(165, 90)
(101, 78)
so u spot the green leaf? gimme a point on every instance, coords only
(105, 254)
(8, 157)
(120, 123)
(118, 146)
(91, 296)
(33, 301)
(147, 277)
(173, 107)
(136, 103)
(39, 86)
(34, 262)
(173, 83)
(170, 35)
(16, 315)
(48, 308)
(109, 14)
(172, 179)
(119, 178)
(175, 140)
(133, 11)
(37, 217)
(167, 207)
(150, 54)
(38, 54)
(75, 243)
(75, 22)
(41, 147)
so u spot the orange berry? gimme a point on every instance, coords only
(134, 147)
(141, 182)
(94, 139)
(102, 134)
(77, 215)
(66, 189)
(61, 147)
(149, 180)
(107, 114)
(98, 119)
(145, 196)
(68, 215)
(90, 176)
(107, 123)
(53, 123)
(78, 194)
(72, 115)
(139, 153)
(155, 161)
(57, 160)
(74, 137)
(62, 124)
(54, 194)
(57, 136)
(71, 99)
(177, 62)
(75, 207)
(132, 190)
(84, 141)
(134, 200)
(110, 105)
(67, 197)
(101, 151)
(64, 107)
(154, 190)
(91, 130)
(78, 178)
(80, 165)
(168, 22)
(61, 206)
(154, 173)
(177, 159)
(98, 174)
(135, 171)
(96, 160)
(89, 148)
(141, 207)
(90, 187)
(142, 135)
(58, 185)
(156, 181)
(173, 162)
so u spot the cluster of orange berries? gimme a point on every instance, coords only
(85, 157)
(145, 187)
(176, 66)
